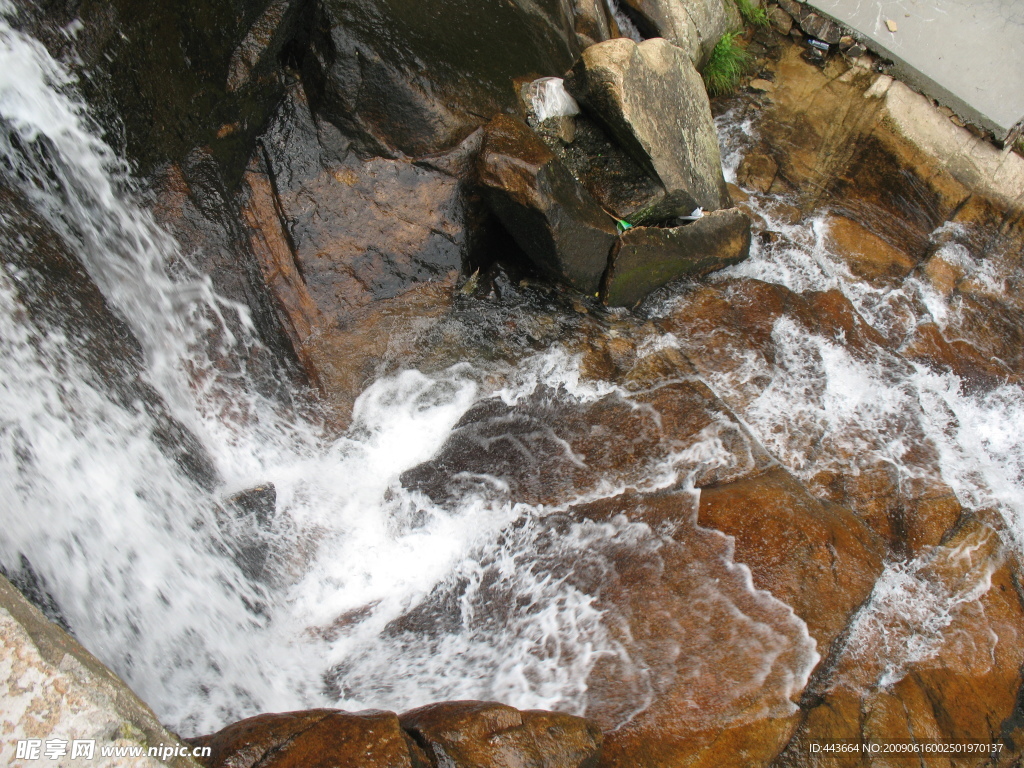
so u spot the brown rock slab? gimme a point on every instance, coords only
(474, 734)
(316, 738)
(816, 557)
(549, 213)
(649, 257)
(355, 253)
(962, 686)
(650, 97)
(868, 255)
(716, 662)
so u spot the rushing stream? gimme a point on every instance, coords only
(144, 563)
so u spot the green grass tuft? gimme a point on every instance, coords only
(726, 66)
(754, 15)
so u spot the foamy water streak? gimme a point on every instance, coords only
(871, 404)
(824, 404)
(150, 569)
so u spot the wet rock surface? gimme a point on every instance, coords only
(472, 733)
(550, 214)
(649, 257)
(759, 564)
(459, 734)
(417, 78)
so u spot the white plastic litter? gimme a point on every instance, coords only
(549, 98)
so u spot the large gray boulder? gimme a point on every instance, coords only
(650, 257)
(652, 100)
(696, 26)
(547, 211)
(55, 689)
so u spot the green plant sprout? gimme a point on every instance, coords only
(726, 65)
(754, 15)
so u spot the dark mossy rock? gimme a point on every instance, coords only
(616, 180)
(649, 257)
(551, 216)
(417, 77)
(175, 76)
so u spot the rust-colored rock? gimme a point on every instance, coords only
(868, 256)
(711, 660)
(316, 738)
(953, 677)
(475, 734)
(757, 172)
(816, 557)
(550, 448)
(355, 254)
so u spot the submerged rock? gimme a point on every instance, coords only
(649, 257)
(549, 213)
(650, 97)
(818, 558)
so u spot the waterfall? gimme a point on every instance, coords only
(148, 567)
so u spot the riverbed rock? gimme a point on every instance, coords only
(55, 689)
(650, 97)
(592, 22)
(868, 255)
(466, 734)
(418, 77)
(620, 185)
(955, 677)
(316, 738)
(818, 558)
(453, 734)
(192, 204)
(649, 257)
(354, 252)
(545, 209)
(717, 663)
(58, 295)
(878, 154)
(177, 77)
(550, 448)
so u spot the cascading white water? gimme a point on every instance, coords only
(140, 558)
(827, 408)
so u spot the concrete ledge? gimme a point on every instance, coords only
(967, 54)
